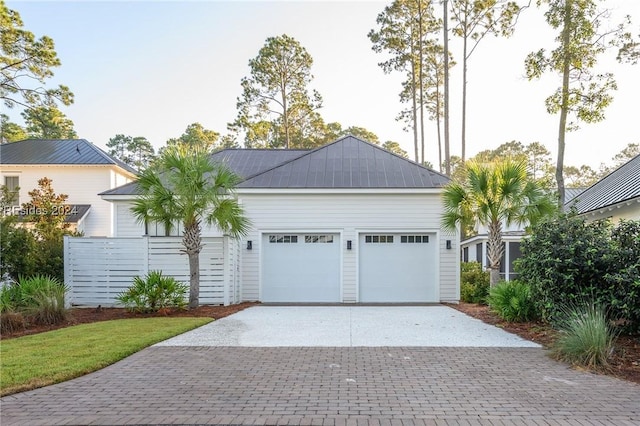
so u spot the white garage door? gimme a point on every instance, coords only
(301, 268)
(397, 268)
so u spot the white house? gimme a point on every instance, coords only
(77, 168)
(615, 196)
(348, 222)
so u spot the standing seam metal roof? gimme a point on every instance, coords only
(348, 162)
(57, 151)
(618, 186)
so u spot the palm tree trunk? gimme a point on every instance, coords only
(495, 250)
(192, 241)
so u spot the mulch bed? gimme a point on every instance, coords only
(625, 362)
(87, 315)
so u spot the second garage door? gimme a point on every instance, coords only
(397, 268)
(301, 268)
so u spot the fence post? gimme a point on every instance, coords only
(68, 277)
(225, 268)
(145, 249)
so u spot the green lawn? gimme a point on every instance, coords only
(42, 359)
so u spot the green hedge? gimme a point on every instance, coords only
(567, 260)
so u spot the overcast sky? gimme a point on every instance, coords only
(149, 69)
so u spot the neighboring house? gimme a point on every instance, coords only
(77, 168)
(615, 196)
(474, 249)
(348, 222)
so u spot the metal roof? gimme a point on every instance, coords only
(249, 162)
(57, 151)
(348, 162)
(621, 185)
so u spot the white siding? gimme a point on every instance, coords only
(81, 183)
(125, 224)
(347, 214)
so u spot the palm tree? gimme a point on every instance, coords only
(493, 195)
(185, 186)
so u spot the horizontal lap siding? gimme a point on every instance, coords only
(98, 269)
(349, 214)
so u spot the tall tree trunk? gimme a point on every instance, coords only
(438, 118)
(285, 120)
(415, 107)
(464, 89)
(495, 250)
(564, 108)
(421, 81)
(192, 242)
(445, 30)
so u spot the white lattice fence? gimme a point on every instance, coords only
(98, 269)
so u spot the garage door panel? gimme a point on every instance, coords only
(301, 268)
(397, 268)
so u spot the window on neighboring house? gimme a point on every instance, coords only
(479, 253)
(156, 229)
(13, 185)
(465, 254)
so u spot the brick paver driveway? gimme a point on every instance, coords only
(331, 386)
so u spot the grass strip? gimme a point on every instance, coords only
(43, 359)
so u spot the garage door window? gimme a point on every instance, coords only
(378, 239)
(283, 239)
(312, 239)
(414, 239)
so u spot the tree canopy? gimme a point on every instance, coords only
(276, 108)
(495, 194)
(26, 63)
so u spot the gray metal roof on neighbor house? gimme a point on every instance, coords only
(57, 151)
(348, 162)
(623, 184)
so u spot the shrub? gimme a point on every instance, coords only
(154, 292)
(567, 260)
(10, 320)
(41, 298)
(511, 300)
(474, 283)
(586, 338)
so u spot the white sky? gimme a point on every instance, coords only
(151, 68)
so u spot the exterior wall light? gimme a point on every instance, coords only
(348, 244)
(249, 245)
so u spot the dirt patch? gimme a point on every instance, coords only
(624, 362)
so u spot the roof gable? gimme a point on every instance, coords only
(348, 162)
(58, 151)
(618, 186)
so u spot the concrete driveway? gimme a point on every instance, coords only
(339, 326)
(344, 385)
